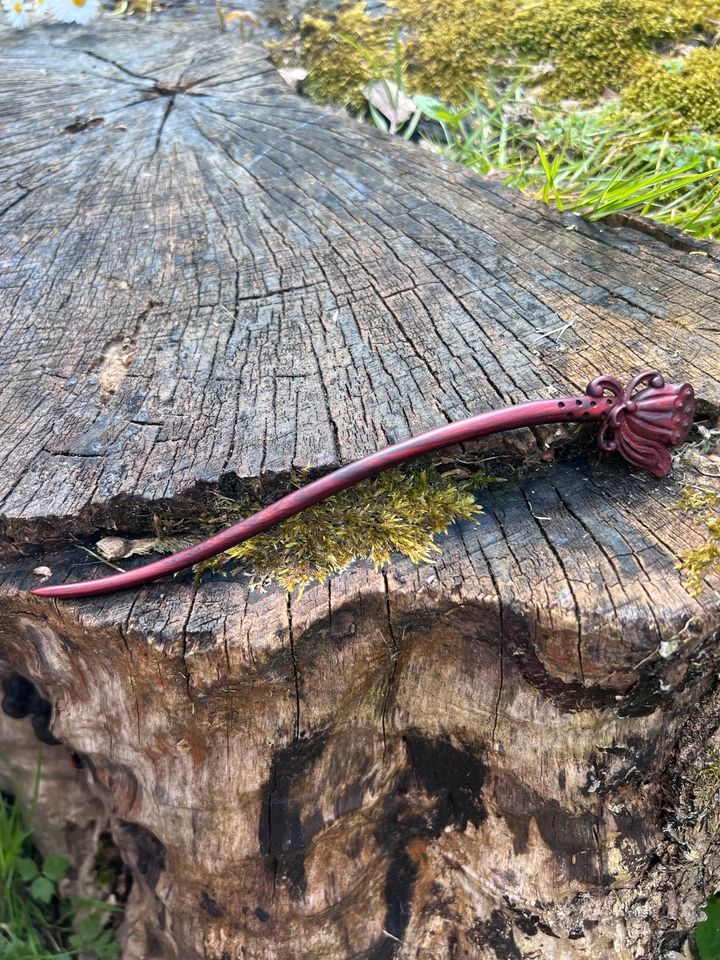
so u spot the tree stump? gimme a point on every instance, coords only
(209, 283)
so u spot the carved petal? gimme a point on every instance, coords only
(643, 426)
(649, 454)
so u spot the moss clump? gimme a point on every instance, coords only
(591, 44)
(597, 44)
(693, 500)
(693, 16)
(343, 52)
(395, 511)
(697, 564)
(453, 50)
(687, 88)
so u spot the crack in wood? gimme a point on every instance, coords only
(394, 654)
(293, 658)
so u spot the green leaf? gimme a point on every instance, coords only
(412, 126)
(104, 946)
(378, 119)
(707, 933)
(55, 867)
(42, 889)
(550, 174)
(436, 110)
(90, 926)
(14, 950)
(27, 869)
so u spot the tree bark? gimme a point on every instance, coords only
(209, 283)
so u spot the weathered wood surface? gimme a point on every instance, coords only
(221, 283)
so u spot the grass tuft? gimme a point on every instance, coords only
(595, 162)
(37, 922)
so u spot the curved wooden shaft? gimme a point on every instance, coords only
(669, 413)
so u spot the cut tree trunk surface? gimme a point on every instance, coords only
(209, 283)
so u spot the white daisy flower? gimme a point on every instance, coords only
(39, 9)
(19, 13)
(74, 11)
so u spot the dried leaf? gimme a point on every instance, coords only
(242, 18)
(117, 548)
(293, 76)
(392, 102)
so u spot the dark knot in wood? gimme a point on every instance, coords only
(644, 422)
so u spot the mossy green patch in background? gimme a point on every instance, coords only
(598, 44)
(688, 88)
(395, 511)
(343, 52)
(452, 49)
(591, 44)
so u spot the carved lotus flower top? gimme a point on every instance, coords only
(645, 421)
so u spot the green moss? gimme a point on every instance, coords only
(395, 511)
(594, 45)
(591, 45)
(693, 500)
(453, 49)
(697, 564)
(343, 52)
(598, 44)
(687, 88)
(693, 16)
